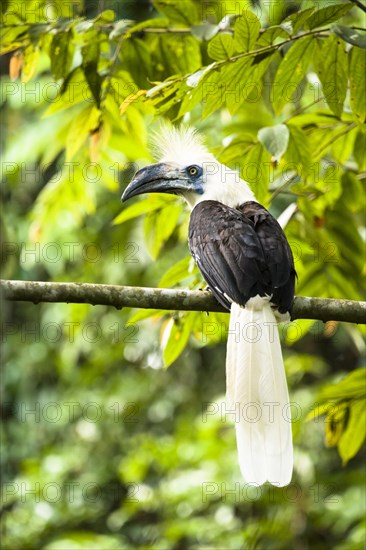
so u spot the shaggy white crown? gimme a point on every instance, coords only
(182, 145)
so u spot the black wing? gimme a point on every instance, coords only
(241, 253)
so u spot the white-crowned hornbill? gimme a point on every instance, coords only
(247, 263)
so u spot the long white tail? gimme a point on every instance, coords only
(256, 386)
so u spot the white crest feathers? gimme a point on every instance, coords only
(183, 145)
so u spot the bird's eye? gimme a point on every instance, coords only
(192, 170)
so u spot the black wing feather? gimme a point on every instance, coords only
(241, 253)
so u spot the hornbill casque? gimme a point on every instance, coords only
(244, 257)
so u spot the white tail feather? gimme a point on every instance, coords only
(256, 384)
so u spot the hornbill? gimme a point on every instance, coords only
(245, 258)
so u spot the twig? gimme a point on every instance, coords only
(334, 138)
(359, 4)
(302, 109)
(323, 309)
(282, 188)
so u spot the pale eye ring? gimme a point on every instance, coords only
(192, 170)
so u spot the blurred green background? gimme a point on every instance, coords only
(103, 447)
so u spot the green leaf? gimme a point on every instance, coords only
(61, 195)
(351, 386)
(334, 424)
(236, 148)
(62, 53)
(199, 89)
(291, 71)
(342, 148)
(332, 72)
(327, 15)
(179, 271)
(14, 34)
(159, 226)
(184, 12)
(212, 96)
(187, 54)
(246, 31)
(233, 81)
(296, 330)
(268, 37)
(135, 56)
(329, 186)
(260, 64)
(221, 47)
(275, 140)
(247, 84)
(176, 335)
(298, 19)
(143, 314)
(122, 86)
(170, 103)
(74, 90)
(340, 283)
(315, 119)
(357, 77)
(319, 410)
(355, 433)
(106, 16)
(142, 207)
(352, 36)
(352, 191)
(359, 150)
(343, 230)
(79, 130)
(90, 54)
(30, 60)
(298, 150)
(255, 170)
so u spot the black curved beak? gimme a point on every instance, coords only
(156, 178)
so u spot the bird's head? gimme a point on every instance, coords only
(186, 168)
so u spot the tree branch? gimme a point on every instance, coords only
(218, 64)
(322, 309)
